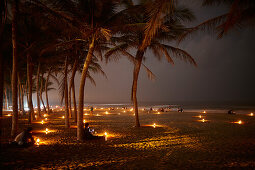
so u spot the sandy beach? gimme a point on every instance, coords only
(166, 140)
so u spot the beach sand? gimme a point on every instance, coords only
(176, 141)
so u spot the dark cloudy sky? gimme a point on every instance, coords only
(225, 71)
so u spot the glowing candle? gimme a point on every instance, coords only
(46, 130)
(200, 116)
(105, 136)
(106, 112)
(36, 116)
(37, 141)
(46, 118)
(63, 117)
(131, 109)
(158, 113)
(9, 114)
(203, 120)
(204, 111)
(154, 125)
(42, 122)
(239, 122)
(44, 115)
(251, 114)
(84, 121)
(124, 111)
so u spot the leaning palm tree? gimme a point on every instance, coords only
(171, 28)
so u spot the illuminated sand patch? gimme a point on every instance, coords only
(203, 120)
(163, 142)
(240, 122)
(199, 116)
(46, 131)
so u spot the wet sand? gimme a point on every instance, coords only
(176, 141)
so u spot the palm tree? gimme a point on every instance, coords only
(169, 30)
(14, 70)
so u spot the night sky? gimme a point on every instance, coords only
(225, 71)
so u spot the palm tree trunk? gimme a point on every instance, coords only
(81, 91)
(67, 125)
(44, 108)
(6, 98)
(72, 89)
(19, 93)
(46, 91)
(22, 99)
(14, 71)
(37, 90)
(1, 84)
(30, 84)
(137, 66)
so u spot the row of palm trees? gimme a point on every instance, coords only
(57, 38)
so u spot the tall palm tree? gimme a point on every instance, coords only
(14, 70)
(169, 30)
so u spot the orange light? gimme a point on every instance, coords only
(42, 122)
(84, 121)
(154, 125)
(46, 130)
(105, 133)
(239, 122)
(204, 111)
(106, 112)
(63, 117)
(251, 114)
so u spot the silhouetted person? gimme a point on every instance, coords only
(88, 133)
(91, 110)
(25, 138)
(231, 112)
(180, 110)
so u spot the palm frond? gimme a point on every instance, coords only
(181, 54)
(156, 12)
(207, 26)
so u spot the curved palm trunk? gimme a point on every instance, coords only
(72, 90)
(66, 96)
(46, 91)
(81, 91)
(29, 83)
(137, 66)
(14, 72)
(37, 90)
(44, 108)
(1, 85)
(21, 103)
